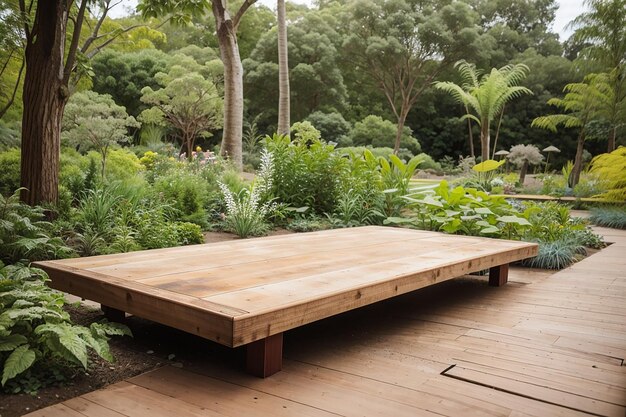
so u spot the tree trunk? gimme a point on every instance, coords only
(44, 98)
(471, 134)
(233, 86)
(574, 176)
(401, 120)
(612, 140)
(484, 141)
(523, 171)
(283, 71)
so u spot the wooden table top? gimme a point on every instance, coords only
(240, 291)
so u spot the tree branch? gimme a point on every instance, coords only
(71, 56)
(96, 29)
(17, 83)
(244, 7)
(24, 14)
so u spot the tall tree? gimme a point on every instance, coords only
(485, 97)
(49, 27)
(226, 24)
(583, 103)
(187, 102)
(603, 30)
(403, 45)
(283, 71)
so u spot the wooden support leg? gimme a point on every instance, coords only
(113, 314)
(265, 356)
(498, 275)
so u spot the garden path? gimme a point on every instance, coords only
(543, 345)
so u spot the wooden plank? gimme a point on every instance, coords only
(58, 410)
(543, 393)
(220, 396)
(135, 401)
(89, 408)
(184, 314)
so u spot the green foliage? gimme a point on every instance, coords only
(121, 165)
(94, 121)
(485, 97)
(332, 126)
(305, 175)
(24, 234)
(376, 132)
(186, 193)
(609, 217)
(463, 211)
(10, 172)
(122, 75)
(556, 254)
(248, 209)
(611, 168)
(36, 331)
(189, 233)
(187, 101)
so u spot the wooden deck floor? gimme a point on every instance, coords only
(543, 345)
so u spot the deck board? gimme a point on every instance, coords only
(389, 359)
(239, 292)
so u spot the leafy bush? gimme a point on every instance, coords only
(37, 335)
(24, 234)
(187, 193)
(377, 132)
(305, 174)
(464, 211)
(121, 164)
(332, 126)
(611, 167)
(10, 172)
(609, 217)
(189, 233)
(383, 152)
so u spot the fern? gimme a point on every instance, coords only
(611, 167)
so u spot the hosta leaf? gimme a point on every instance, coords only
(489, 230)
(514, 219)
(12, 341)
(483, 223)
(483, 210)
(18, 361)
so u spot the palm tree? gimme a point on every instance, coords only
(583, 102)
(603, 31)
(283, 71)
(485, 96)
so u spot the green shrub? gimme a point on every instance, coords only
(189, 233)
(379, 152)
(187, 193)
(609, 217)
(37, 336)
(24, 234)
(10, 172)
(121, 164)
(377, 132)
(306, 174)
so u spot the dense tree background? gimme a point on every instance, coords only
(331, 87)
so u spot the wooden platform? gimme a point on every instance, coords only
(544, 345)
(246, 291)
